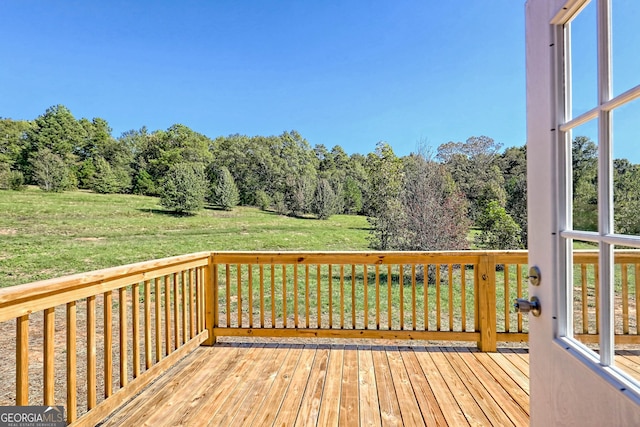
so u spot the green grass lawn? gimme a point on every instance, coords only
(45, 235)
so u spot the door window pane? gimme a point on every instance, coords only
(584, 65)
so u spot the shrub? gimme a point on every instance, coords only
(16, 181)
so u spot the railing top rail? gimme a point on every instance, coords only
(356, 257)
(23, 299)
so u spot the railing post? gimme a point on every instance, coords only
(487, 302)
(210, 300)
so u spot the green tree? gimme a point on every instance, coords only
(472, 164)
(224, 192)
(104, 180)
(385, 210)
(499, 230)
(513, 164)
(626, 197)
(584, 156)
(184, 188)
(324, 200)
(352, 196)
(50, 171)
(60, 133)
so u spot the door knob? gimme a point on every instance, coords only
(525, 306)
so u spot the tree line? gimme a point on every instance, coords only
(424, 201)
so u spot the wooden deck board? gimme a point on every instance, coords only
(278, 384)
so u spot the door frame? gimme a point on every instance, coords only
(568, 385)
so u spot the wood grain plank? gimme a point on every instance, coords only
(265, 412)
(505, 381)
(445, 398)
(249, 389)
(389, 408)
(349, 402)
(177, 388)
(463, 397)
(367, 390)
(224, 392)
(484, 399)
(288, 412)
(330, 405)
(310, 404)
(515, 412)
(429, 407)
(411, 414)
(506, 362)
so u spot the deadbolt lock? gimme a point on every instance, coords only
(534, 276)
(525, 306)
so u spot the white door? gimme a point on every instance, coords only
(570, 93)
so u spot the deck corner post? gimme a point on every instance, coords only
(210, 300)
(487, 303)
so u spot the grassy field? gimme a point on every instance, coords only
(45, 235)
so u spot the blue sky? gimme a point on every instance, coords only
(340, 72)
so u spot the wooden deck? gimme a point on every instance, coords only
(249, 383)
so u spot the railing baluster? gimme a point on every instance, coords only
(91, 352)
(22, 360)
(158, 319)
(425, 290)
(341, 296)
(365, 282)
(585, 299)
(135, 314)
(122, 314)
(295, 295)
(239, 286)
(377, 296)
(519, 291)
(438, 299)
(401, 286)
(228, 294)
(330, 298)
(414, 320)
(307, 297)
(463, 296)
(261, 296)
(250, 290)
(167, 315)
(284, 296)
(192, 323)
(147, 324)
(507, 299)
(49, 355)
(450, 284)
(318, 301)
(176, 312)
(184, 307)
(273, 295)
(389, 297)
(625, 299)
(71, 362)
(108, 343)
(353, 296)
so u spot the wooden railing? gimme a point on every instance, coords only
(68, 325)
(116, 330)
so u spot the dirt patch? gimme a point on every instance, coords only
(89, 239)
(8, 231)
